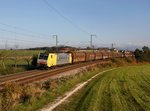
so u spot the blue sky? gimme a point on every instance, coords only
(31, 23)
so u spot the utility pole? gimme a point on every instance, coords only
(56, 37)
(112, 46)
(6, 45)
(91, 41)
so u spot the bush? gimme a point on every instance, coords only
(46, 85)
(129, 60)
(11, 96)
(34, 60)
(118, 62)
(31, 92)
(113, 60)
(28, 93)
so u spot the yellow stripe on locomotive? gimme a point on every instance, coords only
(51, 61)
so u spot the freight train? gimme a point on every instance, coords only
(57, 59)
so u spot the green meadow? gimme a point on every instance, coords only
(20, 53)
(123, 89)
(12, 61)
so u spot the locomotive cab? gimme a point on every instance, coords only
(42, 60)
(46, 60)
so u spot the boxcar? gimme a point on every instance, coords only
(105, 55)
(78, 57)
(110, 55)
(98, 55)
(90, 56)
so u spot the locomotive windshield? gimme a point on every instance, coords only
(43, 56)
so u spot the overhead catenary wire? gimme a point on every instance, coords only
(19, 44)
(39, 37)
(24, 29)
(20, 40)
(65, 18)
(18, 33)
(23, 34)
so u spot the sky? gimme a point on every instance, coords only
(32, 23)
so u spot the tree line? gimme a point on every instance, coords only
(142, 55)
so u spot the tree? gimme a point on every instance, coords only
(88, 48)
(138, 55)
(34, 60)
(3, 56)
(142, 55)
(15, 58)
(146, 53)
(28, 60)
(145, 49)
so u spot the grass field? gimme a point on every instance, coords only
(19, 58)
(123, 89)
(20, 53)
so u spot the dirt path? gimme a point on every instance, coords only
(61, 99)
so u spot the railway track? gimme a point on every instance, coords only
(36, 75)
